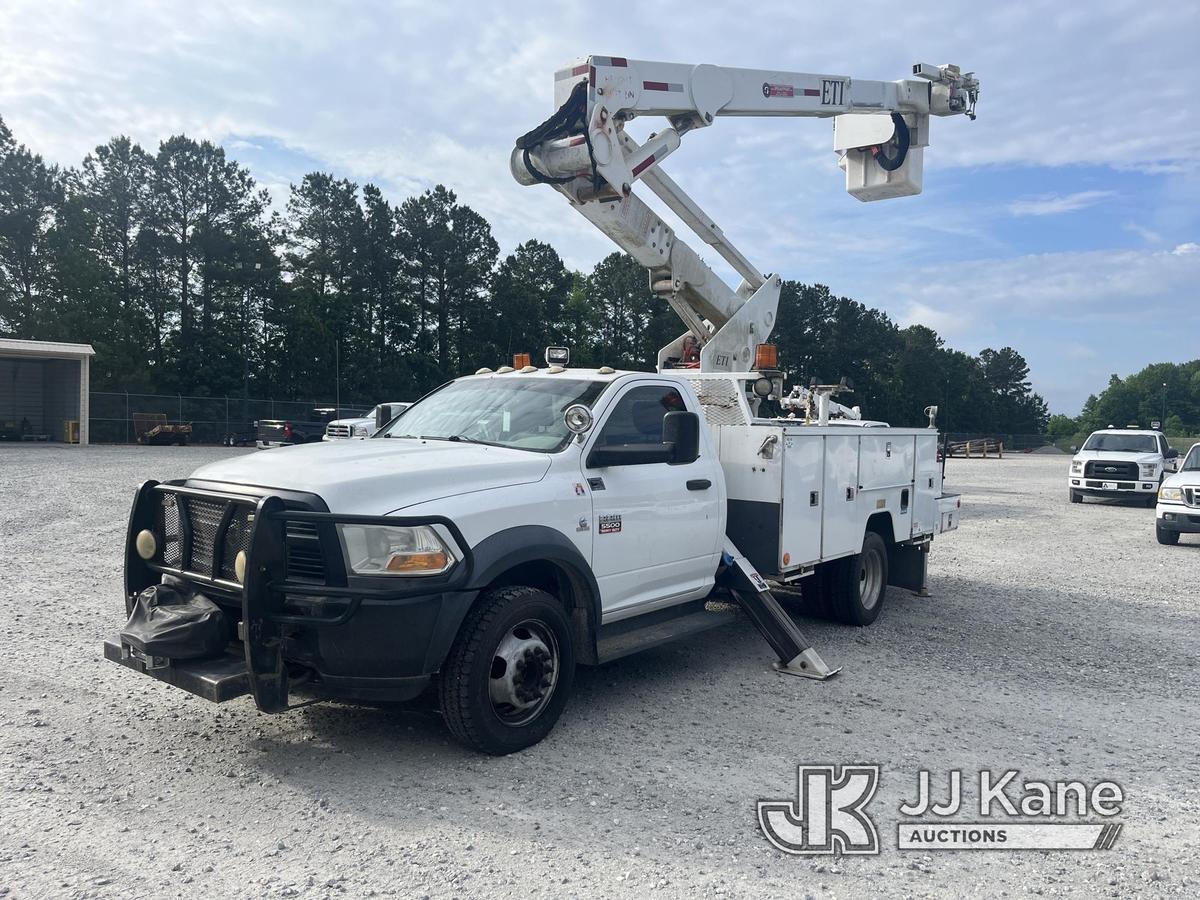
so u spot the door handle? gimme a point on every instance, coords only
(699, 484)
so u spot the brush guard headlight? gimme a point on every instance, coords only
(396, 550)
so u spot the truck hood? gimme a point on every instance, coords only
(379, 476)
(1187, 478)
(1118, 456)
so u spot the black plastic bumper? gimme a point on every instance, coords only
(333, 634)
(1183, 522)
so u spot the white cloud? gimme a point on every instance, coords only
(1056, 204)
(1146, 234)
(1123, 285)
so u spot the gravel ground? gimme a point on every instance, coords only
(1059, 640)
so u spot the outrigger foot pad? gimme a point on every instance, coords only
(796, 655)
(807, 665)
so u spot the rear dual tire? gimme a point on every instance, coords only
(850, 590)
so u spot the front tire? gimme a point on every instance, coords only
(859, 583)
(1166, 536)
(509, 673)
(1076, 497)
(1150, 501)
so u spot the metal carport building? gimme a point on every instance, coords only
(43, 387)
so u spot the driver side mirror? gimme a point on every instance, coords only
(1172, 453)
(682, 430)
(680, 444)
(384, 414)
(1074, 448)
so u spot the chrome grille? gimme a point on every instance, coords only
(337, 431)
(1191, 496)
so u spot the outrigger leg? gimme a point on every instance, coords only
(796, 655)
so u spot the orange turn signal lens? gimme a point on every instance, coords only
(766, 356)
(520, 361)
(435, 561)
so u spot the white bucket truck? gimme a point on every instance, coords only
(515, 523)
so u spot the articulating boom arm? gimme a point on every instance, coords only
(880, 129)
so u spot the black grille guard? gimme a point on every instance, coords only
(267, 586)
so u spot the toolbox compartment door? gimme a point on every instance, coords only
(803, 499)
(842, 524)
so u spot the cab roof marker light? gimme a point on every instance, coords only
(606, 370)
(555, 370)
(484, 371)
(527, 369)
(504, 370)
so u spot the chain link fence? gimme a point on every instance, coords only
(213, 419)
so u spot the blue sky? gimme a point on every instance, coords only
(1064, 222)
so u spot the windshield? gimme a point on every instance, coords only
(1122, 443)
(507, 411)
(1192, 463)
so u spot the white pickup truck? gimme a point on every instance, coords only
(508, 526)
(1121, 463)
(361, 427)
(1178, 509)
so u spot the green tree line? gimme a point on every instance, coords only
(1167, 393)
(175, 267)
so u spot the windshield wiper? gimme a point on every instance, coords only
(461, 439)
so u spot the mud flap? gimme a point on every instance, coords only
(266, 563)
(750, 589)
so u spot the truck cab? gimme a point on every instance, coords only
(1121, 462)
(1178, 509)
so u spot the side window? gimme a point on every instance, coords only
(638, 416)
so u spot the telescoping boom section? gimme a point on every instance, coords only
(880, 130)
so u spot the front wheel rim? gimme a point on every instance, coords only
(870, 579)
(524, 672)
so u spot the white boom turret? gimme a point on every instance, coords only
(583, 150)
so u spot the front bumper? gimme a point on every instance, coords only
(1178, 517)
(300, 624)
(1104, 488)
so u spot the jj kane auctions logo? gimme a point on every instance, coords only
(829, 814)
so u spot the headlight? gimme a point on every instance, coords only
(1149, 470)
(395, 550)
(361, 431)
(1171, 495)
(1076, 467)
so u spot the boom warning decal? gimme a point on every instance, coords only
(787, 90)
